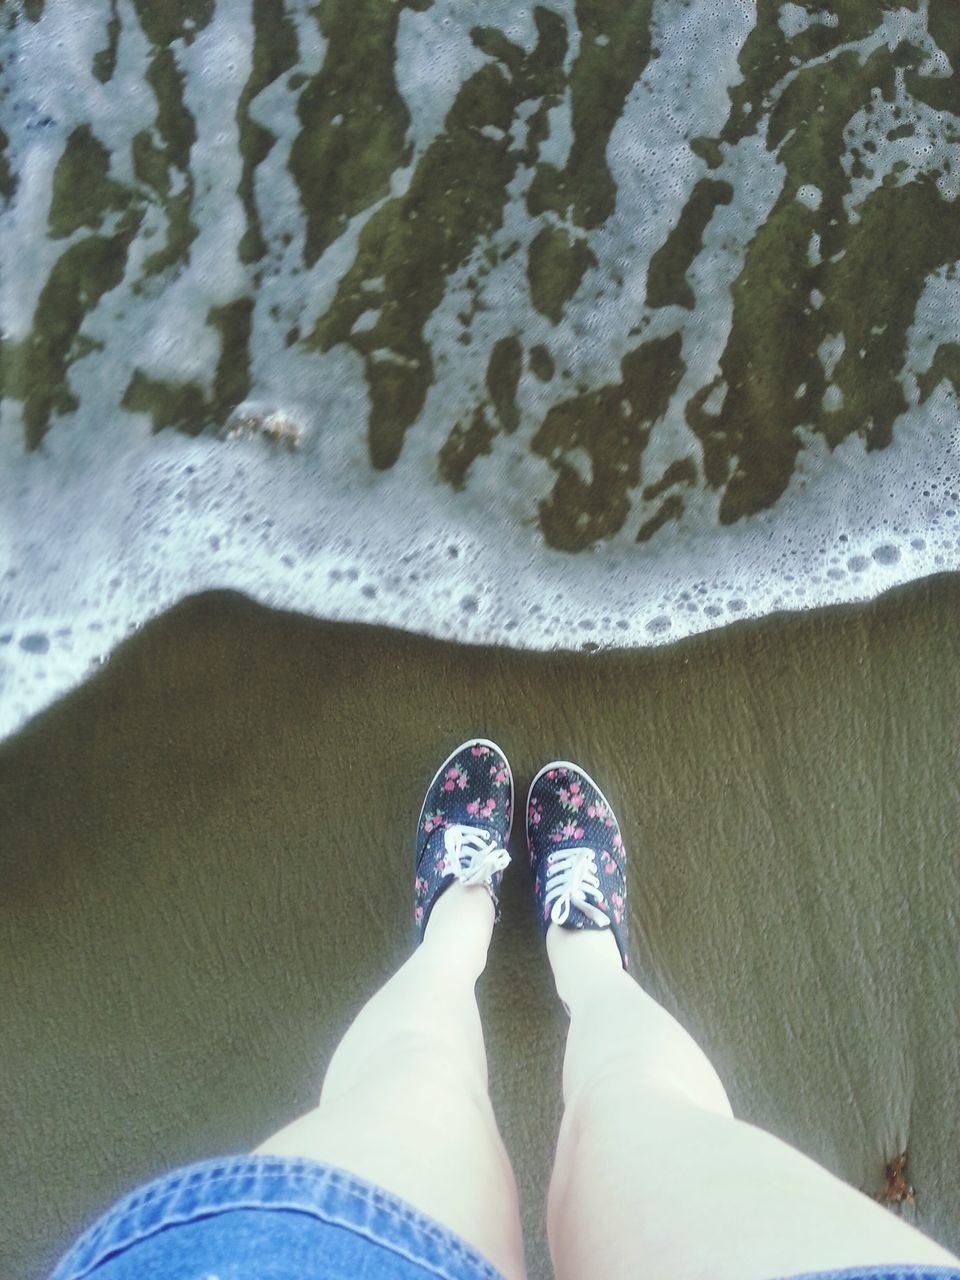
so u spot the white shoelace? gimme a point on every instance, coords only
(571, 882)
(472, 854)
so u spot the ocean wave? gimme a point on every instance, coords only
(560, 326)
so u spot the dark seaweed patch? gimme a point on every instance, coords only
(105, 60)
(455, 198)
(611, 426)
(169, 404)
(83, 192)
(600, 79)
(8, 183)
(666, 277)
(185, 406)
(541, 363)
(503, 377)
(945, 365)
(463, 446)
(940, 92)
(555, 266)
(37, 368)
(670, 509)
(155, 153)
(683, 471)
(354, 121)
(773, 377)
(274, 52)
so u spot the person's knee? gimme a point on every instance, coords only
(440, 1068)
(627, 1084)
(425, 1058)
(420, 1074)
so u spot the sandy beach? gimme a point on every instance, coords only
(207, 868)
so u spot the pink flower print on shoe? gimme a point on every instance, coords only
(534, 812)
(464, 827)
(455, 778)
(576, 854)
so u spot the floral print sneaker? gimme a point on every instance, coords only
(464, 827)
(577, 857)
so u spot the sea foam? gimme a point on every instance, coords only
(109, 522)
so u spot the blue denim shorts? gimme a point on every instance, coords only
(254, 1217)
(905, 1271)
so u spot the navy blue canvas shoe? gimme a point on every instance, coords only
(577, 857)
(464, 827)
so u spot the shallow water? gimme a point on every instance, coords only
(557, 326)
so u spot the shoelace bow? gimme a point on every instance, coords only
(472, 854)
(571, 881)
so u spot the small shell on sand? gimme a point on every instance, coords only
(276, 426)
(898, 1190)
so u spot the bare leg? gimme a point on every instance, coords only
(654, 1176)
(404, 1103)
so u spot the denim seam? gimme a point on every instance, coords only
(118, 1246)
(104, 1241)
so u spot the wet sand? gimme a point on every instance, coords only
(185, 840)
